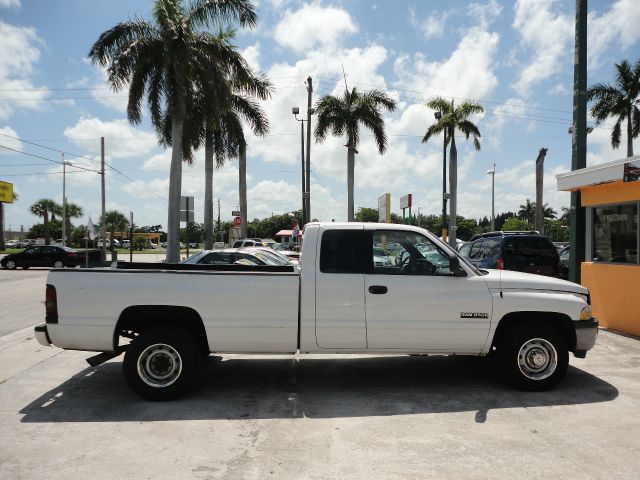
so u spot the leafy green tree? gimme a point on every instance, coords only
(169, 59)
(620, 100)
(45, 208)
(343, 116)
(515, 224)
(140, 243)
(73, 211)
(452, 119)
(366, 214)
(115, 221)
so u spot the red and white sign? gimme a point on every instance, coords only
(405, 202)
(236, 221)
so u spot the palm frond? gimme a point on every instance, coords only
(205, 13)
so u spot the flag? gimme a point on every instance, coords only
(91, 230)
(295, 231)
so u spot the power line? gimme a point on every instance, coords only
(47, 159)
(38, 173)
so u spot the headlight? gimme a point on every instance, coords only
(585, 314)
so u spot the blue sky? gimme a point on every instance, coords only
(515, 58)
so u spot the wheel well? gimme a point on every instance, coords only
(135, 320)
(559, 321)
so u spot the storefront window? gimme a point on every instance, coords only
(615, 232)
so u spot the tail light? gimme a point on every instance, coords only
(51, 305)
(72, 254)
(500, 264)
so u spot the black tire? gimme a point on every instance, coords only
(162, 363)
(10, 265)
(533, 357)
(25, 268)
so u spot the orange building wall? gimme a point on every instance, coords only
(613, 192)
(614, 295)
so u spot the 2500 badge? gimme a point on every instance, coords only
(473, 315)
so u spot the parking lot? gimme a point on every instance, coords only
(315, 417)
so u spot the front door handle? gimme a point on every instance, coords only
(378, 289)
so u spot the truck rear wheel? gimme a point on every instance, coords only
(161, 363)
(533, 357)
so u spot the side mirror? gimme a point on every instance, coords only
(456, 269)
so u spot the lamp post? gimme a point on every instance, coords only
(438, 116)
(64, 200)
(295, 111)
(492, 172)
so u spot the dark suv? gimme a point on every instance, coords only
(527, 252)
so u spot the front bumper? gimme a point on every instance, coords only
(42, 335)
(586, 334)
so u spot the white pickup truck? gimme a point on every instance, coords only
(359, 288)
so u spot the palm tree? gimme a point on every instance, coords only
(619, 100)
(452, 118)
(343, 116)
(527, 211)
(115, 221)
(169, 59)
(43, 208)
(73, 211)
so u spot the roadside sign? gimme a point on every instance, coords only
(235, 213)
(405, 202)
(384, 208)
(236, 221)
(6, 192)
(186, 216)
(186, 209)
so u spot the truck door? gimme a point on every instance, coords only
(414, 302)
(340, 310)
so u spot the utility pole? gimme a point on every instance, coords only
(64, 202)
(310, 111)
(579, 140)
(539, 185)
(218, 227)
(295, 111)
(102, 222)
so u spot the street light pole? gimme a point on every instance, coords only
(295, 111)
(493, 196)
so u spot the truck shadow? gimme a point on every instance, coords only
(244, 388)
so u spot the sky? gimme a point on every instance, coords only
(515, 58)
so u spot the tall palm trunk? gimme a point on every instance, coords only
(175, 182)
(45, 221)
(208, 190)
(453, 190)
(351, 160)
(242, 171)
(629, 132)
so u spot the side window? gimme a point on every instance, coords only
(344, 251)
(33, 251)
(491, 247)
(464, 250)
(475, 253)
(398, 252)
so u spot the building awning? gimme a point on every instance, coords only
(287, 233)
(594, 175)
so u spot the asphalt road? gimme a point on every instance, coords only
(311, 417)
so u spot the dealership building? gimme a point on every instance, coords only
(610, 193)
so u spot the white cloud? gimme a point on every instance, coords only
(485, 13)
(121, 139)
(9, 141)
(313, 25)
(19, 54)
(545, 36)
(618, 25)
(467, 73)
(9, 3)
(252, 55)
(432, 26)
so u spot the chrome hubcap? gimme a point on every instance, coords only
(537, 359)
(11, 264)
(159, 365)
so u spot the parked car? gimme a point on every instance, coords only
(116, 243)
(229, 256)
(194, 245)
(125, 244)
(527, 252)
(248, 242)
(279, 257)
(268, 242)
(41, 256)
(12, 244)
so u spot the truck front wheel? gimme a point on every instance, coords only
(161, 363)
(533, 357)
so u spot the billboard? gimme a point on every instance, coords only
(384, 208)
(6, 192)
(405, 202)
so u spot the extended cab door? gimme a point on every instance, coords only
(340, 310)
(414, 302)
